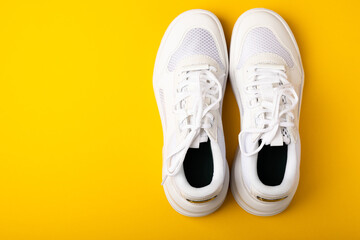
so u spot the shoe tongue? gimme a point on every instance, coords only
(267, 94)
(281, 137)
(202, 137)
(266, 91)
(278, 140)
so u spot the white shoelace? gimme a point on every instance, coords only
(200, 83)
(273, 114)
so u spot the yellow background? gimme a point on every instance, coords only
(80, 133)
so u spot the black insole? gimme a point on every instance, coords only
(271, 164)
(199, 166)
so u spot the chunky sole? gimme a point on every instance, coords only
(242, 196)
(211, 207)
(249, 203)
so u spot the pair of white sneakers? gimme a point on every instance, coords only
(189, 81)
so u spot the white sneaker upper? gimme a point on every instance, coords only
(267, 78)
(189, 82)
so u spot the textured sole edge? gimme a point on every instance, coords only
(237, 196)
(217, 205)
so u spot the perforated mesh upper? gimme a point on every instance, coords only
(262, 40)
(197, 41)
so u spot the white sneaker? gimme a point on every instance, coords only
(267, 78)
(189, 81)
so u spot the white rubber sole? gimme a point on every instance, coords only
(247, 201)
(240, 193)
(212, 206)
